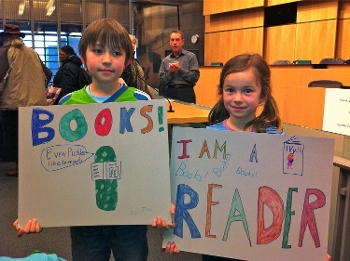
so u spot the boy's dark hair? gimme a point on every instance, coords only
(107, 32)
(269, 115)
(68, 50)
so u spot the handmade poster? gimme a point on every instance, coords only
(94, 164)
(336, 116)
(250, 196)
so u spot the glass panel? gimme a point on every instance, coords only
(94, 9)
(46, 41)
(70, 35)
(52, 58)
(16, 9)
(153, 25)
(44, 10)
(71, 11)
(119, 10)
(27, 40)
(45, 36)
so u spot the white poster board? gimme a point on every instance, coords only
(94, 164)
(256, 197)
(336, 117)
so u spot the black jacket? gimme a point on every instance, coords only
(67, 76)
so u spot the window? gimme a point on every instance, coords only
(46, 40)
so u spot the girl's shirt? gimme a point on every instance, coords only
(223, 126)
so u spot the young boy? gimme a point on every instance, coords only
(105, 49)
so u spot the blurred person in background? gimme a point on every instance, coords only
(179, 71)
(67, 77)
(133, 75)
(22, 83)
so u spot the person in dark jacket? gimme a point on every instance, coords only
(67, 76)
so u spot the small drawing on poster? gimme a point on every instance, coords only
(293, 156)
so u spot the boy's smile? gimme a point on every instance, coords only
(106, 71)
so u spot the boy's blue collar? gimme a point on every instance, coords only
(114, 96)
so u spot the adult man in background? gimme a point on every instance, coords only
(24, 85)
(179, 71)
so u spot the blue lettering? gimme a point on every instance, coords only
(125, 123)
(38, 127)
(181, 212)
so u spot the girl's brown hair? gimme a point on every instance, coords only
(269, 115)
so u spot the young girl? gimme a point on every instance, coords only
(244, 86)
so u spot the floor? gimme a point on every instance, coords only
(53, 240)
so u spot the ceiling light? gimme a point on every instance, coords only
(50, 7)
(21, 8)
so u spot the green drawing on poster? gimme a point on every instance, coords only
(106, 188)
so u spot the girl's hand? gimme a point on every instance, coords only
(32, 226)
(171, 248)
(161, 223)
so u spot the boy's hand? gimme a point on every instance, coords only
(32, 226)
(161, 223)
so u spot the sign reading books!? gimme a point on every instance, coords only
(251, 196)
(94, 164)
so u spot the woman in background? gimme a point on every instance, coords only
(67, 77)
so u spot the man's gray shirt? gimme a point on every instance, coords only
(187, 75)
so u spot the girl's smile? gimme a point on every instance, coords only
(241, 96)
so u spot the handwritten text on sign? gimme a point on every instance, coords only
(84, 155)
(337, 102)
(61, 156)
(250, 196)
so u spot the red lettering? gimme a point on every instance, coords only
(184, 149)
(308, 215)
(270, 198)
(103, 122)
